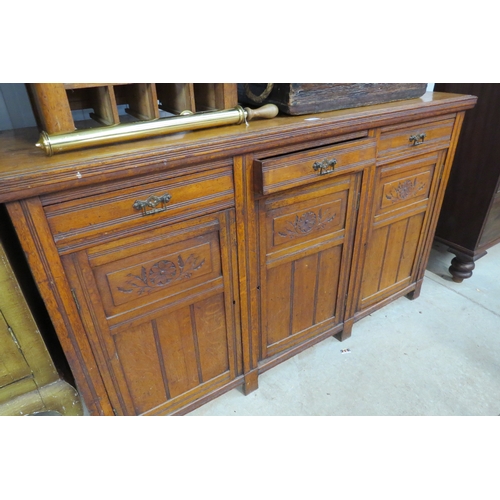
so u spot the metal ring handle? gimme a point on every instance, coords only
(259, 99)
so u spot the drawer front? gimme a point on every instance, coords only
(104, 216)
(298, 169)
(414, 137)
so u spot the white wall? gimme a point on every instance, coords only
(15, 107)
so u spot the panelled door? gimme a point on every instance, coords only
(305, 249)
(161, 312)
(404, 195)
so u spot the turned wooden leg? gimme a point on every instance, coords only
(461, 268)
(251, 382)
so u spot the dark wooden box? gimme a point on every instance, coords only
(305, 98)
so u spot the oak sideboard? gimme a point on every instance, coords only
(261, 240)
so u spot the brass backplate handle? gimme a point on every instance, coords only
(417, 139)
(325, 166)
(151, 205)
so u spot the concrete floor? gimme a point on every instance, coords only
(436, 355)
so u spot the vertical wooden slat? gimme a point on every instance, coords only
(278, 303)
(328, 278)
(142, 100)
(210, 96)
(139, 359)
(210, 321)
(178, 349)
(372, 266)
(176, 97)
(231, 302)
(393, 254)
(304, 292)
(159, 350)
(104, 105)
(410, 245)
(52, 106)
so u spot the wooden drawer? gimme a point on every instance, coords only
(415, 136)
(102, 216)
(298, 169)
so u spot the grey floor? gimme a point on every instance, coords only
(437, 355)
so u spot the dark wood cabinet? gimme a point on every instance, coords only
(177, 268)
(469, 223)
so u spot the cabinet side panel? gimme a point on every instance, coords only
(31, 226)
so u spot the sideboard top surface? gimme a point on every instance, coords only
(26, 171)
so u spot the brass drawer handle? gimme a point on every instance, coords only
(325, 166)
(417, 139)
(151, 203)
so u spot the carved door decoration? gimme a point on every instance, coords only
(404, 197)
(306, 239)
(161, 312)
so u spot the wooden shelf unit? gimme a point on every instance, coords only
(53, 103)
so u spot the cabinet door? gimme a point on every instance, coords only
(404, 195)
(160, 311)
(305, 250)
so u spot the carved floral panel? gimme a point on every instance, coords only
(406, 189)
(159, 274)
(162, 273)
(308, 221)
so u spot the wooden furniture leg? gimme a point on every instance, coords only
(346, 332)
(251, 382)
(462, 265)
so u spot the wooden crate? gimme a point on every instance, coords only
(54, 103)
(305, 98)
